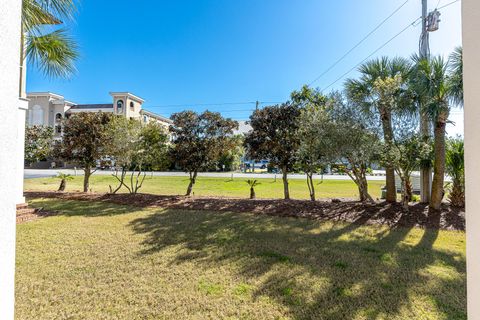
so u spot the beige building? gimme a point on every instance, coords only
(49, 109)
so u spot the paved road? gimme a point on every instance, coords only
(43, 173)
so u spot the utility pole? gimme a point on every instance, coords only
(425, 170)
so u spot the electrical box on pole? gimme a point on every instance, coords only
(433, 21)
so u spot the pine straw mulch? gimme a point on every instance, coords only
(419, 215)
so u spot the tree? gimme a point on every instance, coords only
(200, 140)
(406, 153)
(124, 136)
(313, 151)
(54, 52)
(455, 168)
(85, 140)
(231, 159)
(252, 183)
(133, 146)
(433, 82)
(456, 75)
(353, 142)
(382, 89)
(38, 143)
(64, 177)
(274, 136)
(154, 144)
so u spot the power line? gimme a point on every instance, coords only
(370, 55)
(448, 4)
(383, 45)
(359, 43)
(202, 104)
(191, 105)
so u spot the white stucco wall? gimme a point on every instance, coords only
(471, 47)
(9, 108)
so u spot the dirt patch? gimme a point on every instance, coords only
(419, 215)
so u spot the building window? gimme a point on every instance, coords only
(119, 106)
(58, 117)
(37, 116)
(58, 129)
(132, 106)
(145, 119)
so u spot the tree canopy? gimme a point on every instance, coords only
(200, 140)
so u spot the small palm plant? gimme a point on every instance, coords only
(64, 177)
(455, 168)
(252, 184)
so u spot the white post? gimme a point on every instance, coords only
(20, 150)
(9, 134)
(471, 67)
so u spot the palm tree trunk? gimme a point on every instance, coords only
(425, 167)
(63, 184)
(386, 118)
(439, 162)
(457, 195)
(286, 192)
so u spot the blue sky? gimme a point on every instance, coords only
(177, 54)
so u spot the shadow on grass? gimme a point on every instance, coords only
(82, 208)
(314, 270)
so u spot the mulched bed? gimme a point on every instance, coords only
(34, 215)
(419, 215)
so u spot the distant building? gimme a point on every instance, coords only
(49, 109)
(243, 128)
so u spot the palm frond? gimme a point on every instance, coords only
(456, 75)
(54, 53)
(34, 16)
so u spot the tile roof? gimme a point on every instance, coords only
(93, 106)
(155, 115)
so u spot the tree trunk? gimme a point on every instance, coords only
(252, 193)
(193, 177)
(408, 191)
(457, 195)
(391, 189)
(311, 187)
(439, 162)
(120, 180)
(86, 178)
(63, 184)
(405, 193)
(386, 118)
(362, 185)
(285, 183)
(425, 167)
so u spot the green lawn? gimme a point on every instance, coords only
(214, 187)
(104, 261)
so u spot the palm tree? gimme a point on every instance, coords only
(64, 177)
(455, 168)
(381, 89)
(433, 83)
(52, 50)
(456, 75)
(252, 183)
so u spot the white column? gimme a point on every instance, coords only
(20, 151)
(9, 104)
(471, 47)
